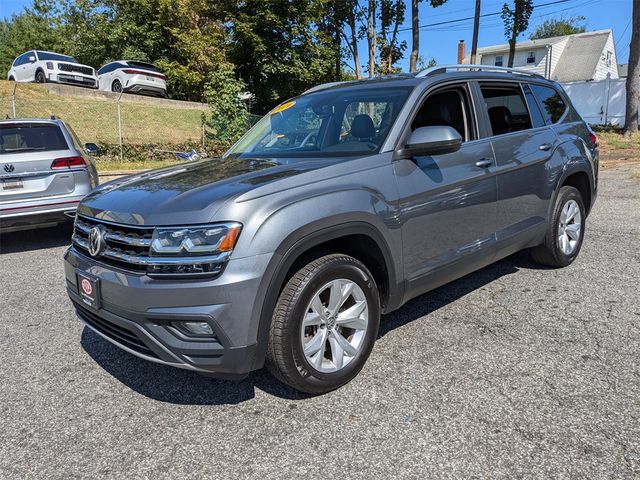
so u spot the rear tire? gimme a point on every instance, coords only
(40, 77)
(324, 325)
(11, 79)
(116, 86)
(565, 231)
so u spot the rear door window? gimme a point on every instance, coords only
(506, 107)
(29, 137)
(551, 103)
(536, 114)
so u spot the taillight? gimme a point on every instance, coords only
(143, 72)
(68, 162)
(594, 139)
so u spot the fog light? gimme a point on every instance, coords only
(194, 328)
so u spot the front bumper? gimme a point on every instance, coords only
(136, 314)
(73, 78)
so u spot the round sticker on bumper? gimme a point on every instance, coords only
(87, 288)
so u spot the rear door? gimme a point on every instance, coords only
(27, 151)
(522, 144)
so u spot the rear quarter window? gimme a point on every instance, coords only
(29, 137)
(551, 103)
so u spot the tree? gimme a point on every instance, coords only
(371, 36)
(352, 41)
(415, 32)
(559, 27)
(633, 77)
(391, 16)
(516, 21)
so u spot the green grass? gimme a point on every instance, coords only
(616, 141)
(96, 120)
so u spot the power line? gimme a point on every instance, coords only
(493, 14)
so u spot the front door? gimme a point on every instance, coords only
(447, 202)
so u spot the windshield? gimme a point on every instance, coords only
(55, 56)
(29, 137)
(339, 122)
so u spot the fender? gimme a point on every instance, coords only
(297, 243)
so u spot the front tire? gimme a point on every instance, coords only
(565, 231)
(40, 77)
(324, 325)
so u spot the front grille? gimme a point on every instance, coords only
(129, 247)
(71, 79)
(117, 333)
(66, 67)
(126, 247)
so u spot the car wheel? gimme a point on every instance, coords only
(324, 325)
(116, 86)
(564, 232)
(11, 79)
(40, 78)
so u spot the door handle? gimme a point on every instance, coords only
(484, 163)
(545, 147)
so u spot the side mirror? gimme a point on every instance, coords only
(436, 140)
(32, 58)
(91, 148)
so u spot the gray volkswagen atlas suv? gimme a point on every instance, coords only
(338, 206)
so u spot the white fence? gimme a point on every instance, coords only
(599, 102)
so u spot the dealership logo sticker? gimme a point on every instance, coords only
(87, 288)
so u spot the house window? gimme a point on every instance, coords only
(531, 58)
(608, 59)
(498, 61)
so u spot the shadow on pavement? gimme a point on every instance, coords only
(173, 385)
(36, 239)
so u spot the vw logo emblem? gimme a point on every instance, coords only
(8, 167)
(96, 240)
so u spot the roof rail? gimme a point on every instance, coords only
(438, 69)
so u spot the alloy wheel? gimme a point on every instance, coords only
(569, 227)
(334, 326)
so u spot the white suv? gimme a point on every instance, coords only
(132, 77)
(40, 67)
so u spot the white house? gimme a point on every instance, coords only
(582, 56)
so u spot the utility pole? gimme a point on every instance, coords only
(476, 27)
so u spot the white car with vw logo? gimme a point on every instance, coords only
(44, 173)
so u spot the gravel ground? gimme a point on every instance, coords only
(513, 371)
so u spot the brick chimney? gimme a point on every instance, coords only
(461, 51)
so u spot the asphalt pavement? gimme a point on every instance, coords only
(515, 371)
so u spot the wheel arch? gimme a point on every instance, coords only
(313, 241)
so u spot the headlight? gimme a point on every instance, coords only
(193, 241)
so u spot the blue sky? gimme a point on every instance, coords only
(440, 42)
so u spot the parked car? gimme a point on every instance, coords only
(338, 206)
(132, 77)
(40, 67)
(44, 173)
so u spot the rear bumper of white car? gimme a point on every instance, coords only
(45, 212)
(146, 85)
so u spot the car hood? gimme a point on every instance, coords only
(188, 193)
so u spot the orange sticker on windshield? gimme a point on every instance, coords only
(283, 107)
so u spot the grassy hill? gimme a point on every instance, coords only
(146, 128)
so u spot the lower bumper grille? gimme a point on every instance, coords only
(117, 333)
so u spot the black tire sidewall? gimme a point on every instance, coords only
(113, 86)
(566, 194)
(40, 78)
(331, 271)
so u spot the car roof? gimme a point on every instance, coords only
(433, 75)
(52, 121)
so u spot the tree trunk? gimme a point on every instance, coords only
(476, 27)
(371, 37)
(337, 37)
(415, 37)
(512, 51)
(392, 43)
(633, 76)
(353, 44)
